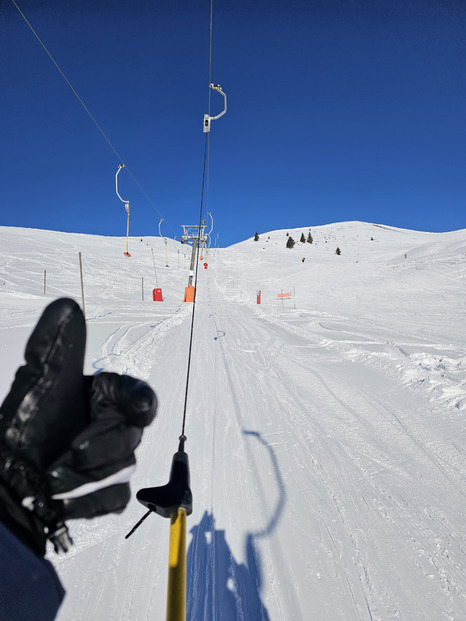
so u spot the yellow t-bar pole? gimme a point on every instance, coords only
(175, 501)
(127, 227)
(176, 593)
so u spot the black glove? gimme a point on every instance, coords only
(66, 441)
(91, 478)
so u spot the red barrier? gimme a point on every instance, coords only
(157, 295)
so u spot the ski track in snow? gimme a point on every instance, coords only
(326, 434)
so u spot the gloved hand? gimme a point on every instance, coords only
(66, 441)
(91, 477)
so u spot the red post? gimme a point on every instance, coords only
(259, 296)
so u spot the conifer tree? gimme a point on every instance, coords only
(303, 239)
(338, 251)
(290, 243)
(309, 238)
(256, 236)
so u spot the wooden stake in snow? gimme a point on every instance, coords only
(82, 283)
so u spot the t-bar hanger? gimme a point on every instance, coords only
(127, 254)
(207, 117)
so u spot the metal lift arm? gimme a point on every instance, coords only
(207, 117)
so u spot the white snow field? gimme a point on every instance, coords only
(326, 430)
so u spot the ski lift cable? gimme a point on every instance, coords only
(210, 52)
(204, 193)
(91, 116)
(67, 81)
(206, 150)
(174, 500)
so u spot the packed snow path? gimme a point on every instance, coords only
(326, 445)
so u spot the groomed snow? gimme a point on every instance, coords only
(326, 431)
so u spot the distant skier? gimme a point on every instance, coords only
(303, 259)
(67, 446)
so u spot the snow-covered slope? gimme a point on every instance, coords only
(326, 430)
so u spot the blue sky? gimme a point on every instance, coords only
(337, 110)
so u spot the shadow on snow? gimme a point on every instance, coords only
(219, 588)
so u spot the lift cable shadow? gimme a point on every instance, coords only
(219, 588)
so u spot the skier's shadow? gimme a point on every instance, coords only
(218, 587)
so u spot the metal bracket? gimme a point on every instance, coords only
(207, 117)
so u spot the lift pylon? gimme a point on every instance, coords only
(195, 234)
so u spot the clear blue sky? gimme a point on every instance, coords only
(337, 110)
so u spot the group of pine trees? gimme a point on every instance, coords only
(290, 242)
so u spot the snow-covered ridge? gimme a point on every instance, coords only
(361, 240)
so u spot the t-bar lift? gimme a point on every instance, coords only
(207, 117)
(127, 254)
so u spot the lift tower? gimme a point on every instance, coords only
(195, 234)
